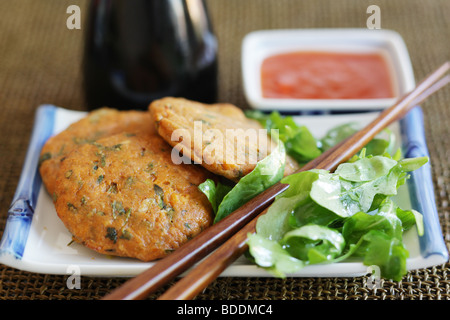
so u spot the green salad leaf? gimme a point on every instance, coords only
(304, 147)
(314, 243)
(272, 256)
(300, 143)
(377, 146)
(326, 217)
(266, 173)
(214, 193)
(354, 186)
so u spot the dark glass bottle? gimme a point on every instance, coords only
(137, 51)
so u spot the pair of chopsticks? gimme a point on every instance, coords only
(228, 237)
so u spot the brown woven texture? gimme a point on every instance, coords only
(40, 63)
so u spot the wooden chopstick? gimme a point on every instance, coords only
(438, 85)
(210, 268)
(244, 218)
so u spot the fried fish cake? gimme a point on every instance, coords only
(97, 124)
(219, 136)
(122, 195)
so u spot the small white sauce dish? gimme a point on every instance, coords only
(258, 45)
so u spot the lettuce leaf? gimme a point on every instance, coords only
(270, 255)
(214, 193)
(303, 146)
(266, 173)
(386, 252)
(353, 186)
(299, 142)
(377, 146)
(314, 243)
(327, 217)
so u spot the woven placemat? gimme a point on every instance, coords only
(40, 63)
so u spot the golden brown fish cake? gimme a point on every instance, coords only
(123, 196)
(97, 124)
(219, 136)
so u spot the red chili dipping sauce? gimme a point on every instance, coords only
(320, 75)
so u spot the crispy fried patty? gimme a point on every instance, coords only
(219, 137)
(122, 195)
(97, 124)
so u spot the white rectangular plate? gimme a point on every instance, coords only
(36, 240)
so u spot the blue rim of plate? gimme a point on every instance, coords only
(21, 211)
(422, 198)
